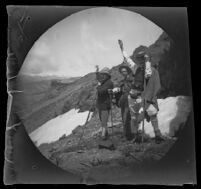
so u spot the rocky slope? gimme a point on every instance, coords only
(80, 153)
(173, 66)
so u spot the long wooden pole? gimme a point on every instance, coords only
(143, 109)
(111, 113)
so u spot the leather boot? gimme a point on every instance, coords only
(154, 122)
(134, 125)
(104, 134)
(137, 138)
(158, 136)
(127, 124)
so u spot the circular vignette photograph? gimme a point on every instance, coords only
(103, 93)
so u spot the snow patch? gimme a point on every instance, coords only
(55, 128)
(173, 111)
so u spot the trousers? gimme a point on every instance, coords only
(134, 107)
(103, 116)
(125, 114)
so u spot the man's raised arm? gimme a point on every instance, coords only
(127, 59)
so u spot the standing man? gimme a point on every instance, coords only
(121, 93)
(103, 98)
(143, 90)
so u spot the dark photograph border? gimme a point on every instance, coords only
(25, 164)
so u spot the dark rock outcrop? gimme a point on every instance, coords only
(173, 67)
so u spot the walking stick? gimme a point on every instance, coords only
(84, 125)
(143, 121)
(111, 113)
(87, 119)
(95, 97)
(144, 80)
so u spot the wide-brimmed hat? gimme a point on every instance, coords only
(139, 53)
(105, 70)
(125, 67)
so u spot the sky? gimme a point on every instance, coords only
(73, 46)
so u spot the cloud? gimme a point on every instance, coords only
(40, 48)
(37, 64)
(96, 47)
(89, 42)
(40, 59)
(89, 38)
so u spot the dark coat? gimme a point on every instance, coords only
(103, 98)
(125, 86)
(149, 93)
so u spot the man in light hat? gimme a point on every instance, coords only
(121, 93)
(142, 71)
(103, 98)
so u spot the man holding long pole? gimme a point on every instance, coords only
(143, 90)
(103, 103)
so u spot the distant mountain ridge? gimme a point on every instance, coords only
(35, 77)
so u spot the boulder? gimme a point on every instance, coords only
(77, 130)
(106, 144)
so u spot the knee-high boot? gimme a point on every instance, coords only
(134, 125)
(158, 135)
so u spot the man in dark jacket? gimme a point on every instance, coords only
(103, 102)
(121, 93)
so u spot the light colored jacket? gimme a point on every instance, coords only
(134, 66)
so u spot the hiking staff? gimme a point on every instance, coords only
(88, 116)
(111, 97)
(143, 105)
(91, 108)
(84, 125)
(121, 47)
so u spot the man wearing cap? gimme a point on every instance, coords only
(103, 98)
(143, 88)
(121, 93)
